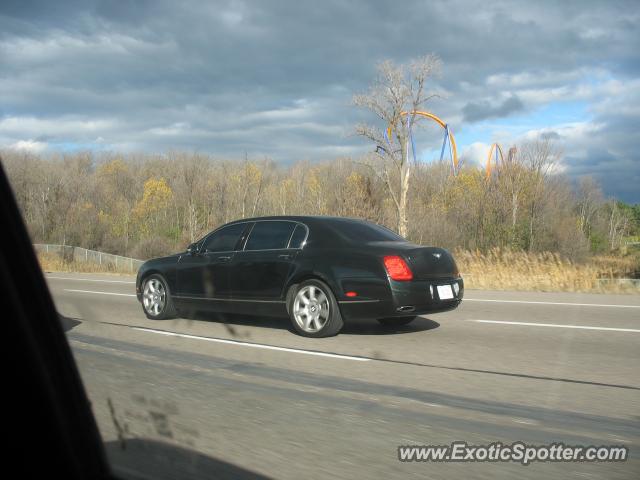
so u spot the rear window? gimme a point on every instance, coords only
(299, 234)
(354, 231)
(270, 235)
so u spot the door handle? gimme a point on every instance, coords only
(224, 258)
(286, 256)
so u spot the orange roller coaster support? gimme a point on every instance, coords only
(490, 166)
(439, 121)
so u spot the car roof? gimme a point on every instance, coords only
(303, 219)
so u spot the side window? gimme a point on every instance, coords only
(298, 237)
(269, 235)
(225, 239)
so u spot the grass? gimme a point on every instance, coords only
(495, 270)
(51, 262)
(515, 270)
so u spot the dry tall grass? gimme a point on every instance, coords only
(515, 270)
(50, 262)
(495, 270)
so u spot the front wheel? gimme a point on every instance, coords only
(156, 298)
(314, 310)
(397, 321)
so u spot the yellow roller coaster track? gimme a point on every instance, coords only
(452, 140)
(491, 165)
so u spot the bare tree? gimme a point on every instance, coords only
(191, 187)
(398, 89)
(539, 156)
(512, 176)
(618, 224)
(590, 200)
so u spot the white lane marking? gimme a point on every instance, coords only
(254, 345)
(555, 325)
(525, 421)
(101, 293)
(89, 279)
(549, 303)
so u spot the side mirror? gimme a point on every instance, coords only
(192, 249)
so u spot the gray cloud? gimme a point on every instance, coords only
(476, 111)
(275, 78)
(551, 135)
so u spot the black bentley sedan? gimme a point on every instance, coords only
(320, 271)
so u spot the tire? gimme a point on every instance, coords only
(320, 316)
(397, 321)
(157, 303)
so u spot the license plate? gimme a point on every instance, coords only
(445, 292)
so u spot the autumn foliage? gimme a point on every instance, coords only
(147, 205)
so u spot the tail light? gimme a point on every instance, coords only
(397, 268)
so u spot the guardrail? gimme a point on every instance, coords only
(79, 254)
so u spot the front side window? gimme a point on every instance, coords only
(225, 239)
(270, 235)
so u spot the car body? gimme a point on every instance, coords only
(254, 266)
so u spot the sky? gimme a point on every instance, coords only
(276, 78)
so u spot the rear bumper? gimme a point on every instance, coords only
(418, 297)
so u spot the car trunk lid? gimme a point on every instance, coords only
(431, 262)
(425, 262)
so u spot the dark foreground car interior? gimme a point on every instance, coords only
(319, 271)
(49, 425)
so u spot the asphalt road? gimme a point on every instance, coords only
(246, 397)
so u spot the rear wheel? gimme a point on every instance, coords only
(314, 310)
(396, 321)
(156, 298)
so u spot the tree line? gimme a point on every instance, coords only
(148, 205)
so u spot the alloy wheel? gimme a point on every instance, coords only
(154, 297)
(311, 309)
